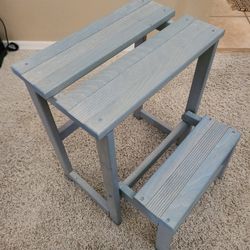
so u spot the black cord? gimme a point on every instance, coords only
(10, 45)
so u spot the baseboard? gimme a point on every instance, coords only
(38, 45)
(32, 45)
(233, 50)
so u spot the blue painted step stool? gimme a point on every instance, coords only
(99, 104)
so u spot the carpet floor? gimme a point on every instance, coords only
(41, 209)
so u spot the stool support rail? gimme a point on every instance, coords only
(153, 120)
(89, 190)
(191, 118)
(68, 128)
(156, 154)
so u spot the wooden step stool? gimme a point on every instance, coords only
(98, 105)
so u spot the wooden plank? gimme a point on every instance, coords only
(89, 87)
(60, 71)
(174, 160)
(44, 55)
(199, 183)
(142, 73)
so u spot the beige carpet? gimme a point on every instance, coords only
(40, 209)
(240, 5)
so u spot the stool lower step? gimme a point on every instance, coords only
(169, 195)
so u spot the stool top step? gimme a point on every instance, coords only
(59, 65)
(100, 103)
(177, 185)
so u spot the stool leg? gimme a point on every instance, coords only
(51, 129)
(137, 112)
(106, 151)
(164, 237)
(202, 70)
(200, 78)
